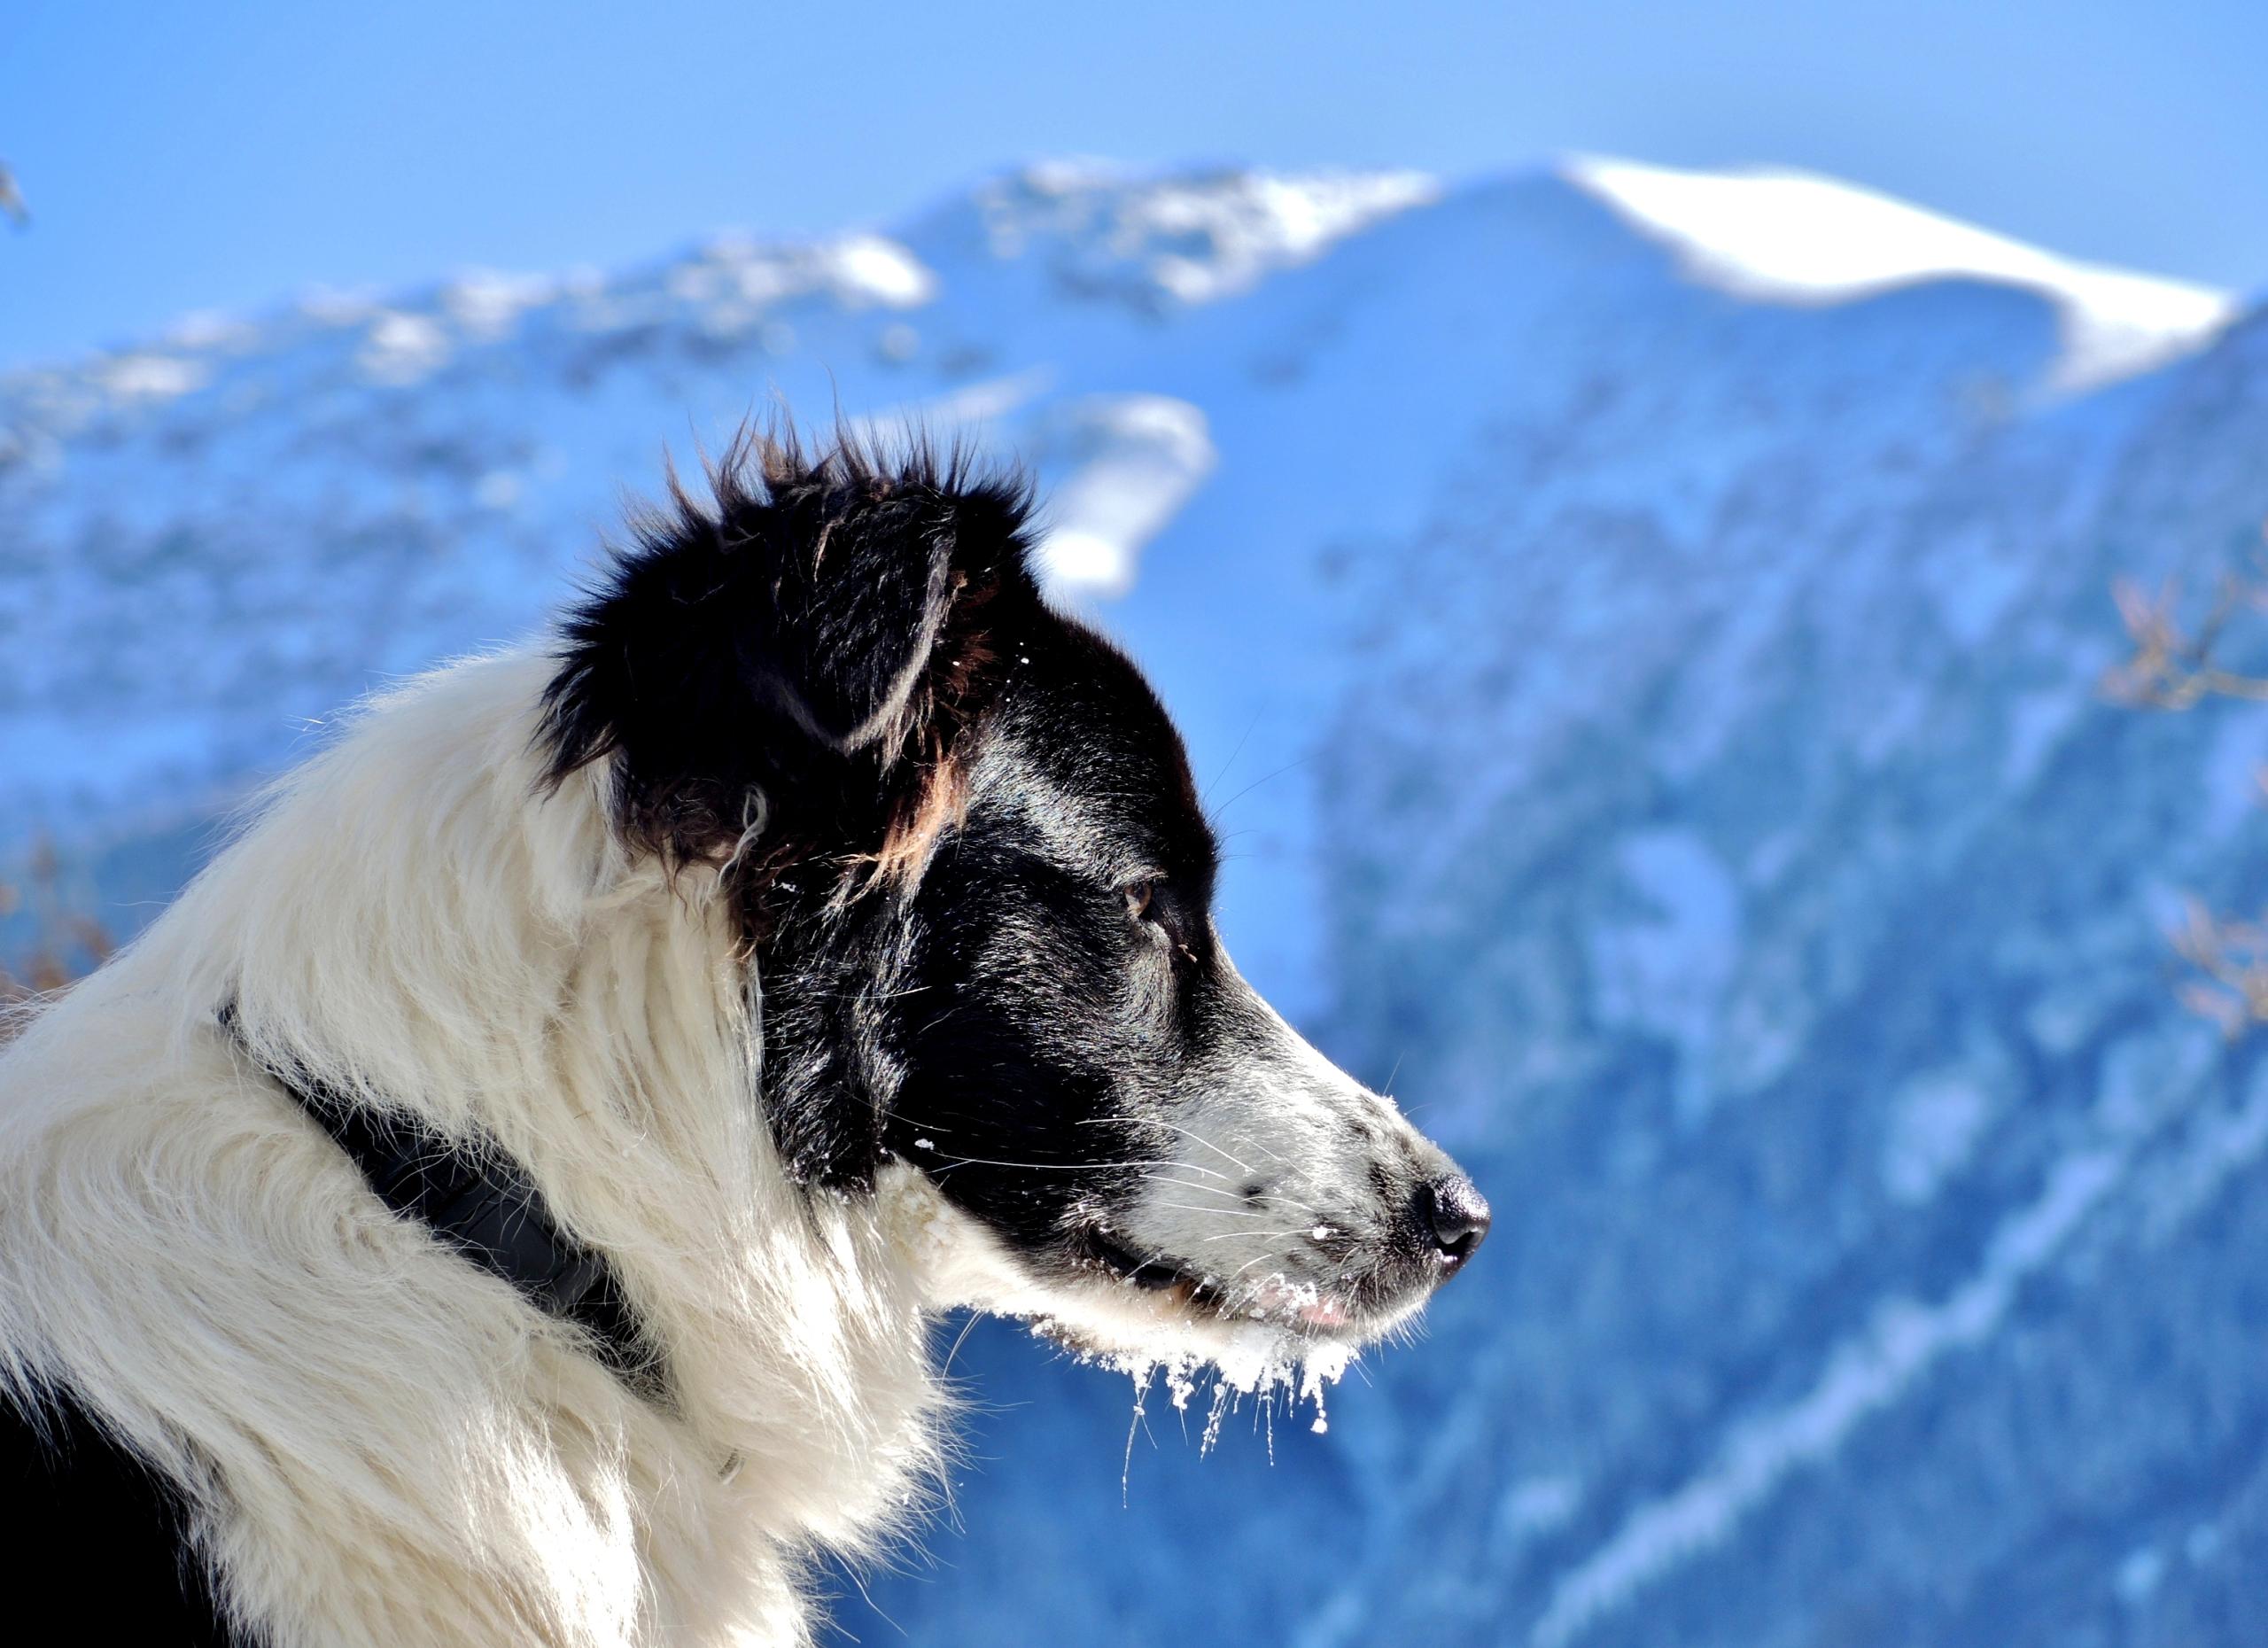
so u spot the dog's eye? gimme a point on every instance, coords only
(1140, 900)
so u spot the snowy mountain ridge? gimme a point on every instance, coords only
(1642, 632)
(1794, 236)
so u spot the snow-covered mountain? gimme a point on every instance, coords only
(1642, 632)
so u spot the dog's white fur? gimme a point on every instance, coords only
(385, 1445)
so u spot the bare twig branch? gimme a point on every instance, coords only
(2171, 669)
(64, 943)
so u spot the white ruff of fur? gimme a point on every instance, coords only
(385, 1439)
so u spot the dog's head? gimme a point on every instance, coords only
(976, 882)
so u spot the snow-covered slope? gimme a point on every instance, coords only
(1641, 630)
(1793, 238)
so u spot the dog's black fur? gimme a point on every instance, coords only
(79, 1503)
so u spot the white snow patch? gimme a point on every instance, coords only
(1138, 458)
(982, 402)
(484, 304)
(733, 279)
(1194, 240)
(1069, 173)
(1534, 1506)
(211, 330)
(401, 347)
(1665, 969)
(1974, 583)
(870, 268)
(1263, 222)
(1792, 237)
(149, 377)
(2138, 1575)
(2037, 723)
(1935, 1122)
(2232, 775)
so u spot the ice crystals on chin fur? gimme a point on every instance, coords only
(1257, 1360)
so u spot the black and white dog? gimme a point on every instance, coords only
(508, 1198)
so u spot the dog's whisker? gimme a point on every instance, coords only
(1252, 1288)
(1265, 1151)
(1105, 1121)
(1159, 1182)
(951, 1159)
(959, 1339)
(1273, 1197)
(1210, 1145)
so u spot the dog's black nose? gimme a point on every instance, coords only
(1455, 1213)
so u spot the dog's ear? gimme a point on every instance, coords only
(836, 607)
(860, 567)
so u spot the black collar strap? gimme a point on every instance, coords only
(482, 1203)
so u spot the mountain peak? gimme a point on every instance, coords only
(1783, 236)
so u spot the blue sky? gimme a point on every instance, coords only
(230, 156)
